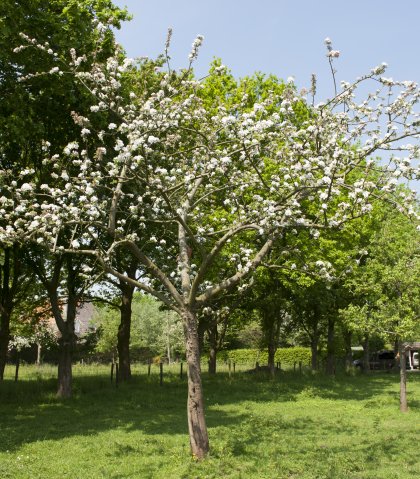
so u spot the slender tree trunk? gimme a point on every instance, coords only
(347, 345)
(66, 326)
(202, 326)
(124, 330)
(38, 353)
(272, 348)
(403, 378)
(331, 347)
(168, 341)
(314, 352)
(212, 335)
(65, 373)
(366, 355)
(195, 405)
(8, 283)
(272, 323)
(212, 360)
(4, 341)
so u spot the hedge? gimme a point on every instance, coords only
(283, 355)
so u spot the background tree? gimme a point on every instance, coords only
(31, 112)
(16, 288)
(153, 331)
(386, 287)
(66, 284)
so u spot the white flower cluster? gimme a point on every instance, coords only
(195, 47)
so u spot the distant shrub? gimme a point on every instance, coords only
(295, 354)
(283, 355)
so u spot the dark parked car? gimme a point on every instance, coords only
(380, 361)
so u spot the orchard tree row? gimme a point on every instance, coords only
(211, 195)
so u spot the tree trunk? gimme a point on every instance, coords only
(314, 352)
(202, 326)
(38, 353)
(9, 274)
(68, 338)
(272, 322)
(212, 360)
(212, 335)
(168, 341)
(331, 348)
(195, 405)
(403, 378)
(366, 355)
(124, 329)
(4, 341)
(271, 358)
(347, 345)
(66, 344)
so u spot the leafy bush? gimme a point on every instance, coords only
(283, 355)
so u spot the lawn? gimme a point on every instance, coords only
(295, 426)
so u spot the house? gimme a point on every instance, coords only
(83, 321)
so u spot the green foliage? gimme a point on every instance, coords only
(106, 320)
(153, 330)
(385, 287)
(34, 110)
(295, 354)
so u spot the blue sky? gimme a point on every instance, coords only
(283, 37)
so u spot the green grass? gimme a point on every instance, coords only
(291, 427)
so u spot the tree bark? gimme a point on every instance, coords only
(313, 332)
(347, 345)
(195, 405)
(366, 355)
(403, 378)
(271, 323)
(272, 348)
(65, 372)
(124, 331)
(331, 347)
(38, 353)
(9, 274)
(67, 340)
(4, 341)
(202, 326)
(314, 352)
(212, 360)
(212, 335)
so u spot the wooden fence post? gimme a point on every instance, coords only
(230, 368)
(112, 371)
(180, 373)
(149, 365)
(161, 373)
(117, 375)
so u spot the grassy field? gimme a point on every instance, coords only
(296, 426)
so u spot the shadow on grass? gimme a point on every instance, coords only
(289, 386)
(30, 411)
